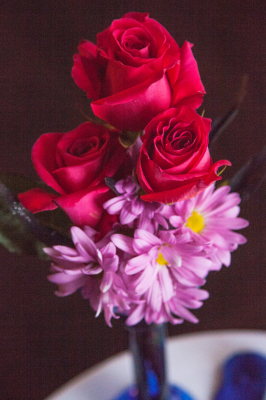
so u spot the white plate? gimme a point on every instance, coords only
(194, 364)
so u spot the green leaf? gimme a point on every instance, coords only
(21, 232)
(14, 234)
(56, 219)
(128, 139)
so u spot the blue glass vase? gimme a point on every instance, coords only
(147, 345)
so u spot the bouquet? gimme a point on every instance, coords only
(138, 183)
(137, 220)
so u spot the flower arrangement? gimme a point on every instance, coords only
(155, 258)
(137, 183)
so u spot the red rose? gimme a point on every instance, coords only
(136, 71)
(174, 162)
(75, 164)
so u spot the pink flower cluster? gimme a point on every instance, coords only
(134, 254)
(153, 262)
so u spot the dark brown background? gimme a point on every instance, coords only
(44, 340)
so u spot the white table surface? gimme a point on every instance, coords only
(194, 363)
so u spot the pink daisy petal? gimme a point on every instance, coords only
(66, 284)
(161, 221)
(224, 257)
(172, 256)
(108, 250)
(184, 313)
(92, 270)
(115, 205)
(68, 251)
(147, 237)
(124, 243)
(154, 296)
(136, 315)
(140, 246)
(144, 280)
(106, 282)
(166, 284)
(137, 264)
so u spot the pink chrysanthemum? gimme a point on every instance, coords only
(162, 270)
(155, 275)
(91, 267)
(209, 219)
(133, 211)
(154, 309)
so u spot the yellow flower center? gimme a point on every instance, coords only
(161, 260)
(195, 222)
